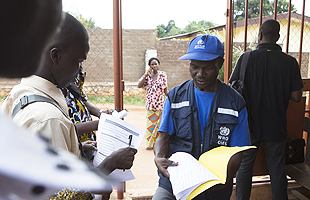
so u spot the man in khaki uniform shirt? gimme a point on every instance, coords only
(60, 67)
(42, 116)
(29, 170)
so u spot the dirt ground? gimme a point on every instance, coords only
(143, 168)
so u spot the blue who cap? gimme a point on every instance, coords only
(204, 48)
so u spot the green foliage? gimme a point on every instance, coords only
(99, 99)
(134, 100)
(161, 29)
(237, 52)
(282, 6)
(87, 23)
(216, 33)
(131, 100)
(221, 73)
(174, 31)
(171, 29)
(171, 24)
(254, 8)
(200, 26)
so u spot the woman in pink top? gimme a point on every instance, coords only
(156, 89)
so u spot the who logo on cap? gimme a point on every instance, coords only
(204, 48)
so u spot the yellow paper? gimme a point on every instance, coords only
(216, 160)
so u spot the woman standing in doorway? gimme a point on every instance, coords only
(156, 89)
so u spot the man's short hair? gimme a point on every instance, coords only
(70, 32)
(270, 29)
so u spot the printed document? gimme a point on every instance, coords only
(113, 134)
(192, 177)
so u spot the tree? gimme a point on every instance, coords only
(201, 25)
(254, 8)
(171, 25)
(161, 31)
(87, 23)
(171, 29)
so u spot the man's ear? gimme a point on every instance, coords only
(55, 55)
(260, 37)
(278, 37)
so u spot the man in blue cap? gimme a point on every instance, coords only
(196, 116)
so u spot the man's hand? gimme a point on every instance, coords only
(124, 157)
(162, 164)
(89, 145)
(120, 159)
(108, 111)
(161, 151)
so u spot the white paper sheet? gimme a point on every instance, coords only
(189, 174)
(113, 134)
(119, 175)
(119, 115)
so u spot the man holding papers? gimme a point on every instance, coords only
(60, 66)
(199, 115)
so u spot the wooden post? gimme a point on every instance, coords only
(228, 41)
(118, 76)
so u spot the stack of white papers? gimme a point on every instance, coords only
(192, 177)
(187, 165)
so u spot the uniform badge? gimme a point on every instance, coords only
(224, 131)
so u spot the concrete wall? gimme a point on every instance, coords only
(169, 53)
(99, 64)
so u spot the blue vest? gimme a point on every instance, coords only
(222, 119)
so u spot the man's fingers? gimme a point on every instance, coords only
(162, 165)
(168, 163)
(134, 151)
(174, 164)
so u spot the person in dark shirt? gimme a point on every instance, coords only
(272, 78)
